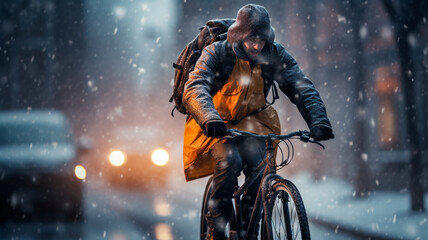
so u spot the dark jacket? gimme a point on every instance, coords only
(280, 67)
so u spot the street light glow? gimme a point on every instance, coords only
(117, 158)
(160, 157)
(80, 172)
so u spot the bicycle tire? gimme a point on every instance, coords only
(204, 210)
(284, 193)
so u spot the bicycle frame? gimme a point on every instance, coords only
(266, 170)
(269, 171)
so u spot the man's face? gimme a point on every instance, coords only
(253, 46)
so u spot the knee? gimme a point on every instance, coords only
(232, 164)
(228, 158)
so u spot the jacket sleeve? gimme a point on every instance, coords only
(300, 90)
(198, 90)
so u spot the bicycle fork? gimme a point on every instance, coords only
(267, 192)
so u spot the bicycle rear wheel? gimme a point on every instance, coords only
(204, 210)
(285, 216)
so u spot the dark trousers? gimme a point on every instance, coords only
(233, 157)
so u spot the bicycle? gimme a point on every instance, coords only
(273, 198)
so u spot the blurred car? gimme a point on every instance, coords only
(40, 176)
(137, 156)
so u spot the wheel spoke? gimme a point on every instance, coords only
(279, 215)
(296, 217)
(279, 221)
(293, 220)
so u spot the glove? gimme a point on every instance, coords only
(215, 129)
(321, 133)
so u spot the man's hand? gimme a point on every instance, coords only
(215, 129)
(320, 133)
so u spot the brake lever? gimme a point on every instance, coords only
(307, 138)
(313, 141)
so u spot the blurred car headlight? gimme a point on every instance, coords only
(117, 158)
(160, 157)
(80, 172)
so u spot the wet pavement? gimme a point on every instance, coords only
(131, 213)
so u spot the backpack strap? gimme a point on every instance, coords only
(275, 95)
(172, 111)
(268, 74)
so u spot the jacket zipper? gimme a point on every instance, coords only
(245, 96)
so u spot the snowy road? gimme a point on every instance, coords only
(127, 214)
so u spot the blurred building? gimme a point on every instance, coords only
(129, 56)
(102, 58)
(41, 43)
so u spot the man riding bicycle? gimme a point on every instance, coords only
(216, 102)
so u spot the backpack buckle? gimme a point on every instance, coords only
(176, 66)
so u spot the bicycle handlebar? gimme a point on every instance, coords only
(304, 136)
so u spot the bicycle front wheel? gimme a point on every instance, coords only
(285, 216)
